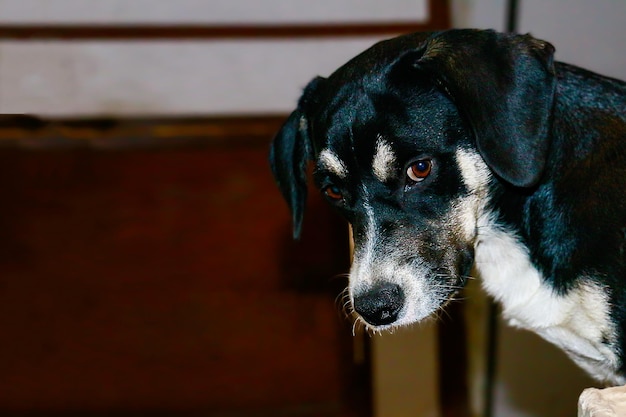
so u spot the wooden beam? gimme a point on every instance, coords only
(23, 131)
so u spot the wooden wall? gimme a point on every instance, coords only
(163, 279)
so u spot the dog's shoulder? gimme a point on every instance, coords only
(579, 319)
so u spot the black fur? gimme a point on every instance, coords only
(554, 136)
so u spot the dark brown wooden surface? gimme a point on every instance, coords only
(165, 281)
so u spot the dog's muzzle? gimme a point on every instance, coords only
(381, 304)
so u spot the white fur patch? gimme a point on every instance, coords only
(577, 322)
(371, 265)
(475, 172)
(476, 176)
(330, 161)
(384, 161)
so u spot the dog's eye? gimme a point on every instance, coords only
(419, 170)
(333, 193)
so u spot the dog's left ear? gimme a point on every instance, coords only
(504, 85)
(290, 152)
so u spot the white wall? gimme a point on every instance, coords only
(484, 14)
(182, 77)
(586, 33)
(214, 11)
(157, 78)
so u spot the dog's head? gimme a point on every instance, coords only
(405, 139)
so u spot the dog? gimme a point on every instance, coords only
(473, 153)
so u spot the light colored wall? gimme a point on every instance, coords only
(214, 11)
(586, 33)
(484, 14)
(182, 77)
(405, 368)
(164, 78)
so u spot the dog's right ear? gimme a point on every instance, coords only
(504, 85)
(290, 152)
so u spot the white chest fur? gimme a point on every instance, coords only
(577, 322)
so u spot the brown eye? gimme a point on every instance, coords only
(333, 193)
(419, 170)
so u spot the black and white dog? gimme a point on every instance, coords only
(473, 151)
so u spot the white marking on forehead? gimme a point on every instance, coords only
(330, 161)
(384, 160)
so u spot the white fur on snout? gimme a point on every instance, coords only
(383, 164)
(372, 266)
(330, 161)
(420, 297)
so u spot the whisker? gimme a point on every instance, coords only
(343, 275)
(343, 303)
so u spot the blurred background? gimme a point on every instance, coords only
(146, 260)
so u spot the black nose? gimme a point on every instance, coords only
(381, 304)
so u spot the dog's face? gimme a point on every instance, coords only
(395, 165)
(405, 140)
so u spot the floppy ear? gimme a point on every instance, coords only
(290, 152)
(504, 86)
